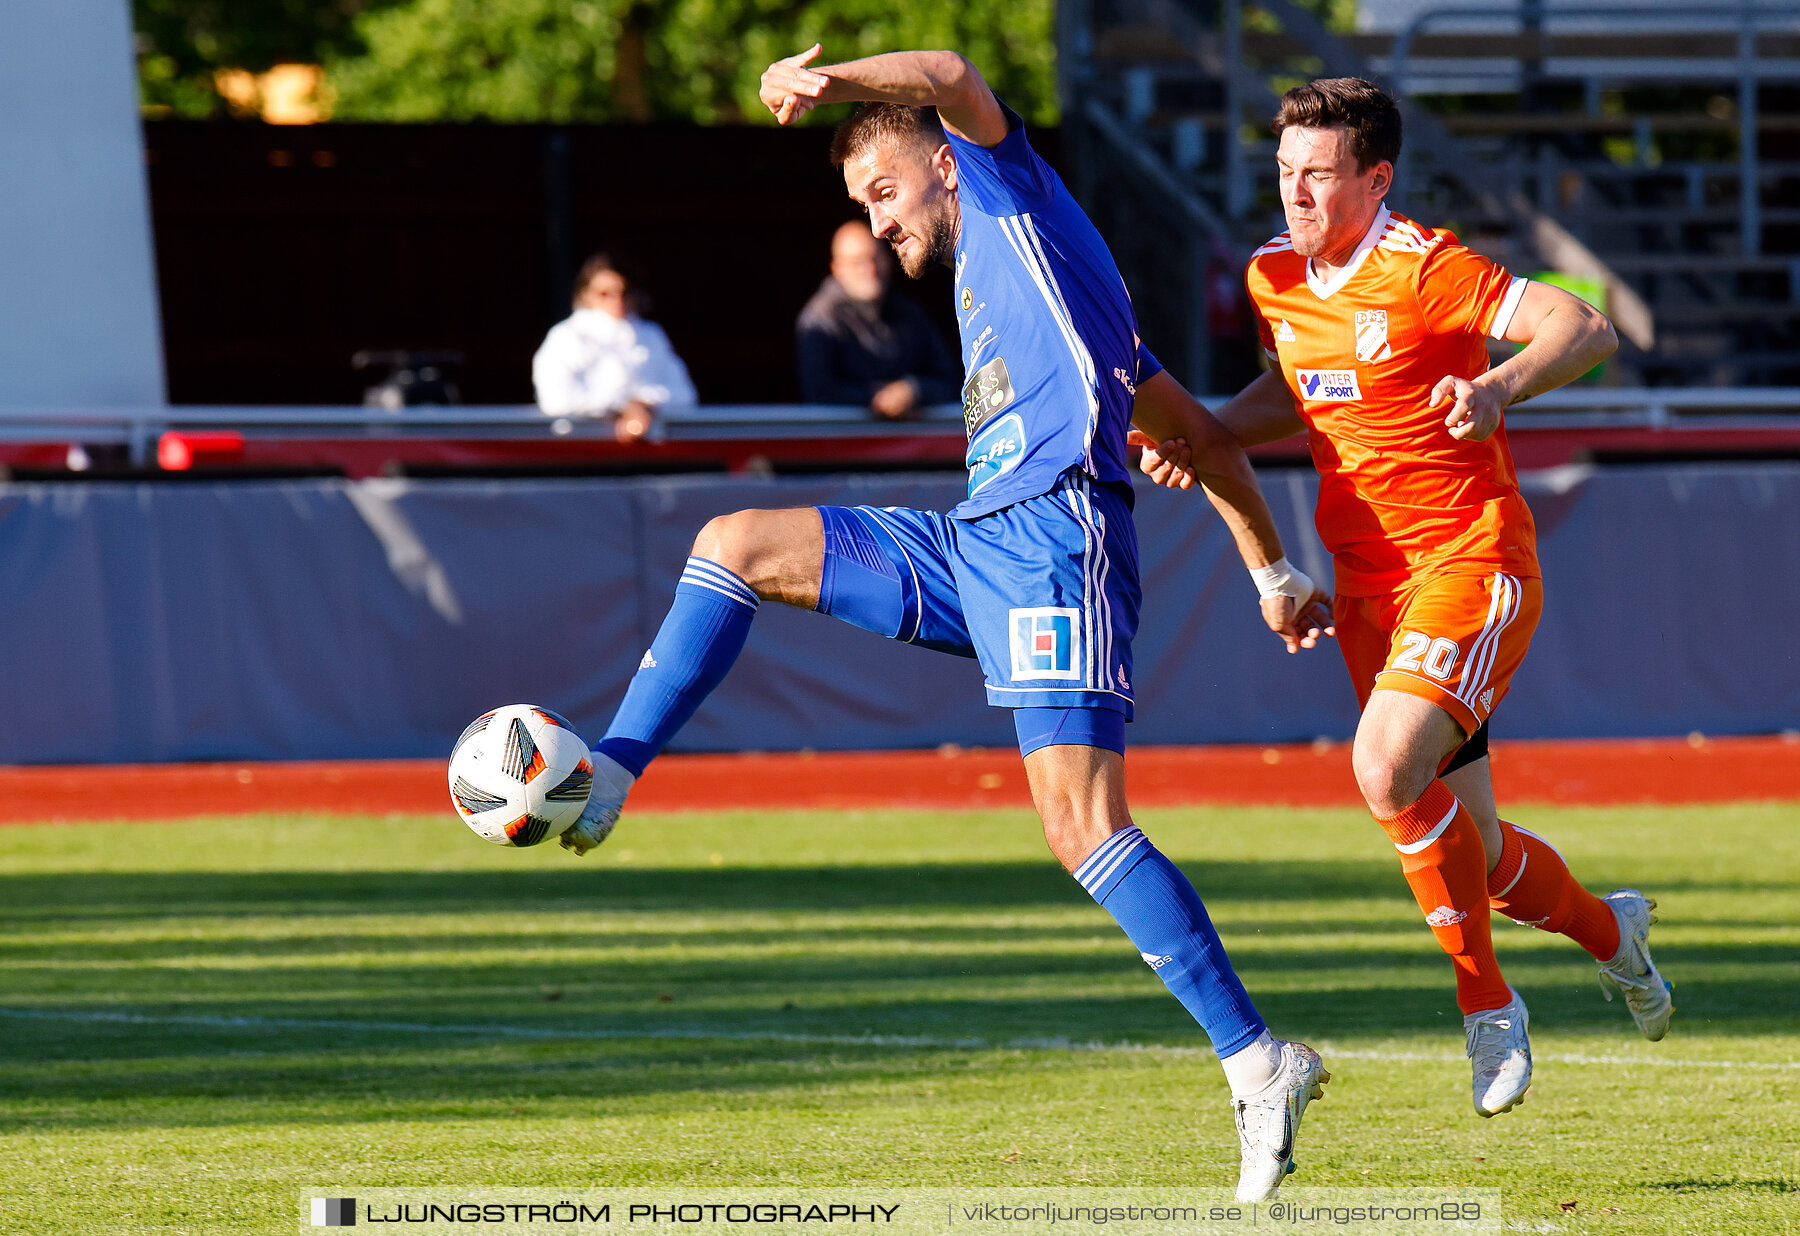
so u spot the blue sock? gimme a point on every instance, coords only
(1156, 905)
(695, 647)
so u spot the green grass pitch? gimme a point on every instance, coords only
(200, 1019)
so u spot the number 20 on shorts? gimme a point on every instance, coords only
(1436, 657)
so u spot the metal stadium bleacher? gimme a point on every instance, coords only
(1653, 149)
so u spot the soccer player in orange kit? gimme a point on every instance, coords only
(1375, 326)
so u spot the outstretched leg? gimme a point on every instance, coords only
(738, 562)
(1529, 882)
(1527, 879)
(1080, 794)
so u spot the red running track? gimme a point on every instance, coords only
(1693, 770)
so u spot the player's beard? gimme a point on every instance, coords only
(937, 244)
(1309, 244)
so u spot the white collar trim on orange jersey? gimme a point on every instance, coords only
(1323, 288)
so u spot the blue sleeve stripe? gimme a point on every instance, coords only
(1031, 257)
(1090, 370)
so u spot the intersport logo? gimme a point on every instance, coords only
(1328, 385)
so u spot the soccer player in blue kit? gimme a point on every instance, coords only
(1035, 572)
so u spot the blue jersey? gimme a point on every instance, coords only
(1049, 339)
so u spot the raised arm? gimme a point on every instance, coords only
(1564, 337)
(1164, 412)
(945, 80)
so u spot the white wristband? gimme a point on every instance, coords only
(1282, 579)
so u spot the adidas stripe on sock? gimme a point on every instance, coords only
(1157, 907)
(696, 646)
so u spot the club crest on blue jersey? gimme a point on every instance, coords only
(1044, 642)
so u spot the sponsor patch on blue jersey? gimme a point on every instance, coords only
(988, 390)
(1044, 643)
(995, 451)
(1328, 385)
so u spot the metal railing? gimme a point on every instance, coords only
(139, 428)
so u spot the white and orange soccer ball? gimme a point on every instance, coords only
(519, 775)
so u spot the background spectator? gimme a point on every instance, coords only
(605, 360)
(860, 342)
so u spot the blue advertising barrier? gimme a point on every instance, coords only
(346, 619)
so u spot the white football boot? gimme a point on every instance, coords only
(605, 800)
(1268, 1122)
(1647, 993)
(1499, 1047)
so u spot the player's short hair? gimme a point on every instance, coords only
(886, 123)
(599, 264)
(1345, 103)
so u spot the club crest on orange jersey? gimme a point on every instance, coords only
(1372, 335)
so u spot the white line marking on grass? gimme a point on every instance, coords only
(501, 1030)
(533, 1032)
(1566, 1057)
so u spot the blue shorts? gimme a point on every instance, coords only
(1044, 593)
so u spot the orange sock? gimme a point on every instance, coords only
(1532, 885)
(1441, 854)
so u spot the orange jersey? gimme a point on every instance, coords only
(1398, 496)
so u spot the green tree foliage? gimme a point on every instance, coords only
(482, 60)
(182, 43)
(1339, 15)
(566, 60)
(597, 60)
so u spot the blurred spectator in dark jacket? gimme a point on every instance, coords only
(860, 342)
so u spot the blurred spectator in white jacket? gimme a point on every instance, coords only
(605, 360)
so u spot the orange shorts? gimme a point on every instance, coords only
(1452, 639)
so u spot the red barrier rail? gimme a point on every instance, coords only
(1568, 426)
(1611, 771)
